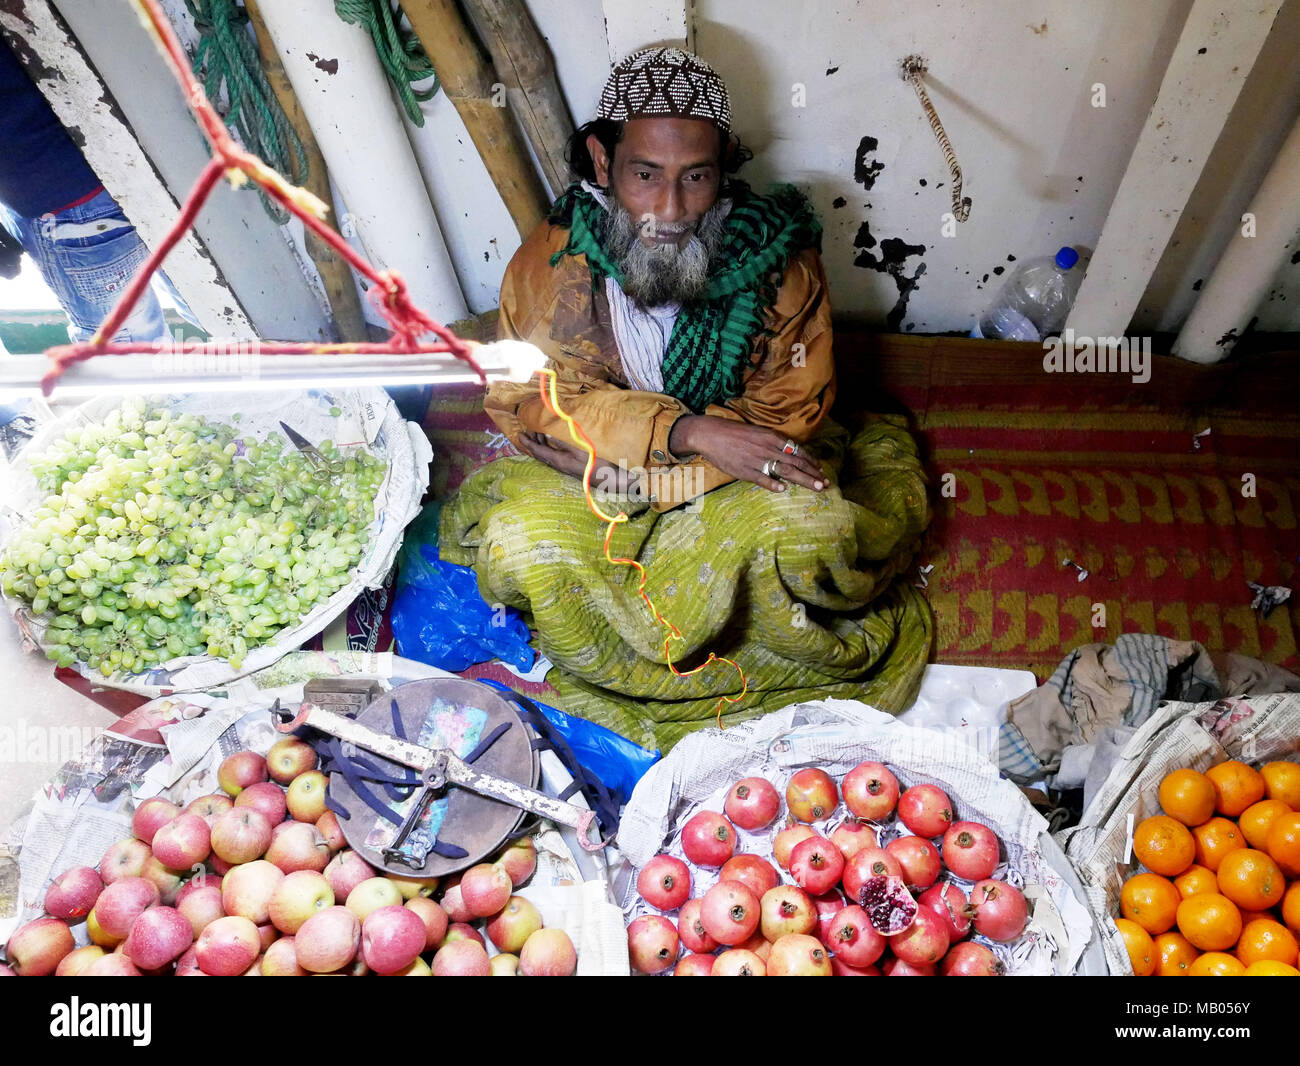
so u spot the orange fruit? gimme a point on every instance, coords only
(1257, 819)
(1266, 939)
(1214, 840)
(1216, 964)
(1195, 880)
(1251, 879)
(1283, 843)
(1291, 908)
(1163, 845)
(1270, 968)
(1151, 901)
(1174, 955)
(1188, 796)
(1141, 951)
(1236, 787)
(1250, 916)
(1210, 921)
(1282, 782)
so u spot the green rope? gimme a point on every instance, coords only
(227, 54)
(403, 57)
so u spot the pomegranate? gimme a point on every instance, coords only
(843, 969)
(751, 870)
(924, 942)
(888, 904)
(738, 963)
(851, 836)
(708, 839)
(729, 912)
(664, 882)
(811, 795)
(970, 850)
(970, 959)
(926, 810)
(786, 909)
(919, 859)
(752, 803)
(758, 944)
(785, 842)
(949, 902)
(652, 944)
(816, 865)
(694, 966)
(796, 955)
(899, 968)
(1000, 910)
(828, 906)
(869, 862)
(854, 940)
(691, 930)
(870, 791)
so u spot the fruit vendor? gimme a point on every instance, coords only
(687, 320)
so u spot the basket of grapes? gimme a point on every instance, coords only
(173, 543)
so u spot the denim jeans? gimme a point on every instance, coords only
(88, 254)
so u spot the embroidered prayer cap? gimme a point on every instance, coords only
(665, 82)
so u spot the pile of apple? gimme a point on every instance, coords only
(854, 909)
(257, 881)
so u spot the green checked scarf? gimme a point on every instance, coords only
(710, 343)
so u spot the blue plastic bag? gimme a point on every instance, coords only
(438, 615)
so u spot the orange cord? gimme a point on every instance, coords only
(552, 402)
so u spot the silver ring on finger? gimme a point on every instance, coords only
(769, 468)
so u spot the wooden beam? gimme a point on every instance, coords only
(1215, 52)
(523, 61)
(469, 82)
(335, 274)
(55, 61)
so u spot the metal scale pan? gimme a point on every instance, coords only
(474, 822)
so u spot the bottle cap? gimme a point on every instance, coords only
(1066, 258)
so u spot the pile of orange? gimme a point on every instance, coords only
(1219, 894)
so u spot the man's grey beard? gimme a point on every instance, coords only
(659, 274)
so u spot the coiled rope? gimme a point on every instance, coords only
(227, 54)
(914, 71)
(400, 52)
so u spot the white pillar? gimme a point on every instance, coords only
(1249, 263)
(345, 95)
(635, 24)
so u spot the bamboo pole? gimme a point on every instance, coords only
(523, 61)
(469, 82)
(340, 288)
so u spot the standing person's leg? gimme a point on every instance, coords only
(87, 255)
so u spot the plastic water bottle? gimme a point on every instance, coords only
(1034, 301)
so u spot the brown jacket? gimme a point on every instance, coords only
(554, 307)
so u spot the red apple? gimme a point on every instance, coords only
(752, 803)
(201, 907)
(267, 797)
(97, 934)
(247, 889)
(410, 887)
(328, 940)
(240, 835)
(151, 816)
(519, 860)
(122, 902)
(328, 824)
(708, 839)
(462, 958)
(209, 807)
(433, 917)
(453, 902)
(505, 965)
(347, 870)
(73, 893)
(38, 947)
(300, 895)
(126, 858)
(299, 847)
(240, 770)
(371, 894)
(811, 795)
(281, 960)
(188, 964)
(78, 961)
(485, 888)
(798, 955)
(112, 965)
(870, 791)
(182, 843)
(462, 931)
(515, 923)
(306, 796)
(158, 936)
(228, 946)
(202, 879)
(548, 953)
(168, 881)
(288, 758)
(391, 939)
